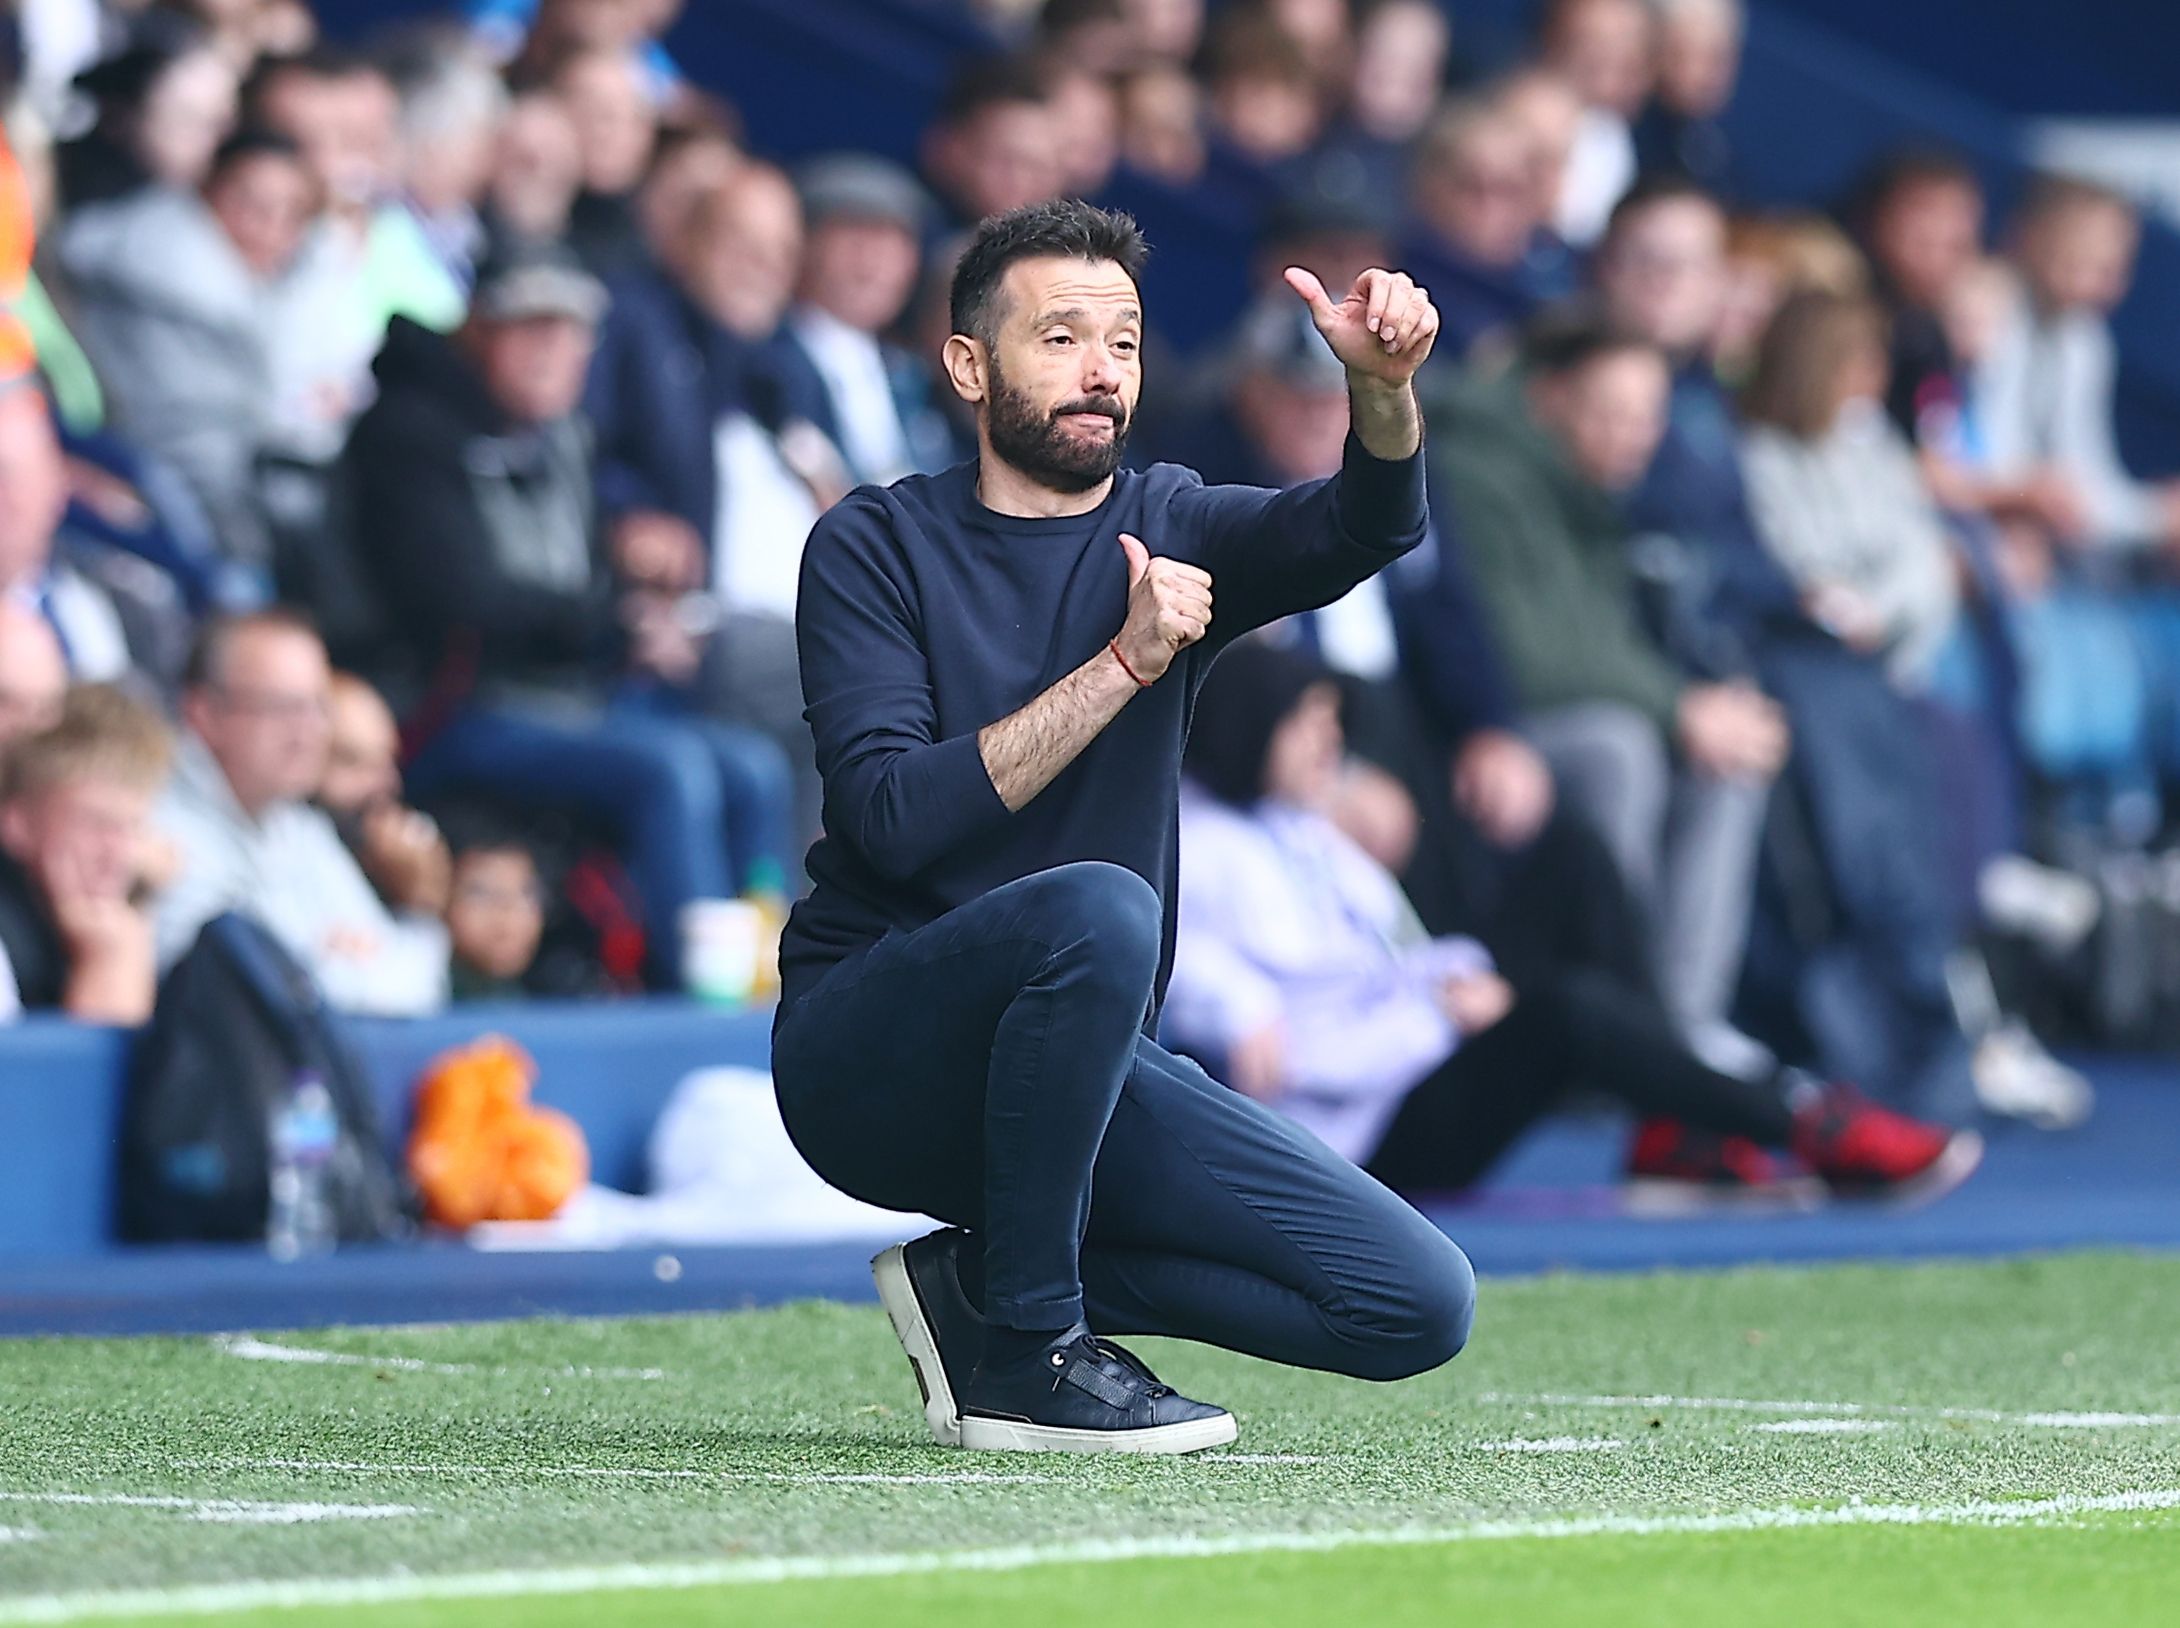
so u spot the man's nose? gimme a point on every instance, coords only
(1100, 372)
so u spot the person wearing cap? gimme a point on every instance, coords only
(474, 502)
(1000, 662)
(865, 221)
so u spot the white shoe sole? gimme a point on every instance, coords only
(1014, 1436)
(1660, 1198)
(898, 1295)
(1952, 1167)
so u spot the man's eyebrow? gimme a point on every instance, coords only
(1077, 313)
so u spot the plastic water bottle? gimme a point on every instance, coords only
(305, 1134)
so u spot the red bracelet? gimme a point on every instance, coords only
(1141, 683)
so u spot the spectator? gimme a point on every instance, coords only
(1161, 125)
(2045, 391)
(1489, 258)
(253, 750)
(1091, 35)
(475, 485)
(1863, 767)
(1545, 106)
(1769, 259)
(1699, 60)
(687, 165)
(1401, 48)
(1920, 216)
(1085, 106)
(453, 108)
(1394, 78)
(1836, 490)
(526, 33)
(536, 173)
(1262, 92)
(33, 674)
(1603, 47)
(75, 935)
(995, 144)
(865, 220)
(495, 918)
(1673, 773)
(716, 457)
(1301, 971)
(616, 124)
(345, 115)
(34, 576)
(178, 298)
(165, 102)
(399, 849)
(1165, 30)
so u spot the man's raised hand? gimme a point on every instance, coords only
(1169, 609)
(1381, 331)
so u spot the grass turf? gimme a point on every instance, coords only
(793, 1435)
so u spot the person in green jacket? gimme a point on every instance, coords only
(1674, 772)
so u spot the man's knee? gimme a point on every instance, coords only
(1103, 917)
(1426, 1322)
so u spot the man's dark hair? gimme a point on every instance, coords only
(1562, 339)
(1066, 228)
(320, 62)
(996, 81)
(251, 142)
(1656, 187)
(1900, 170)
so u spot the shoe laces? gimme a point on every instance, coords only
(1128, 1360)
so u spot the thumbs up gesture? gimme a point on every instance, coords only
(1169, 609)
(1382, 330)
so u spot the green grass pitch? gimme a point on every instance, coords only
(1949, 1444)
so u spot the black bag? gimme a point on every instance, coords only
(237, 1021)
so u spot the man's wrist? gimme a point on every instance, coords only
(1386, 418)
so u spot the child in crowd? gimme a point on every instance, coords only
(495, 917)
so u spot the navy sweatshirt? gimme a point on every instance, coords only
(924, 617)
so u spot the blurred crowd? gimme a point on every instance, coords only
(406, 447)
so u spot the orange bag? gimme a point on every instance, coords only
(480, 1151)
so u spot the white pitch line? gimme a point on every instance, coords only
(1742, 1404)
(251, 1349)
(226, 1511)
(634, 1472)
(20, 1534)
(1552, 1444)
(1832, 1426)
(1260, 1458)
(219, 1599)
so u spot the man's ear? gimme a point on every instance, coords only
(967, 367)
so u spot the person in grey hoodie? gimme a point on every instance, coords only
(181, 297)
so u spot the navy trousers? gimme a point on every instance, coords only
(991, 1069)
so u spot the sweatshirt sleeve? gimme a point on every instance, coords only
(1274, 554)
(895, 794)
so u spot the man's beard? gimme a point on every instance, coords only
(1033, 442)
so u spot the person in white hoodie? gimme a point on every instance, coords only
(1302, 977)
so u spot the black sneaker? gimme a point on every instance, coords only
(1081, 1394)
(919, 1284)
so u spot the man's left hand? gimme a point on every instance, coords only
(1382, 331)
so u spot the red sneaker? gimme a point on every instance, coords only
(1675, 1169)
(1872, 1152)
